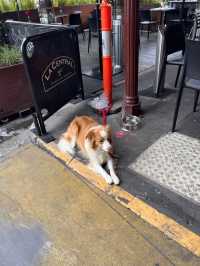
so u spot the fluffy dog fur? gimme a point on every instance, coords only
(94, 141)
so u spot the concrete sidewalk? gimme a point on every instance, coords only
(49, 216)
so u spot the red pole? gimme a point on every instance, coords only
(106, 27)
(131, 46)
(104, 116)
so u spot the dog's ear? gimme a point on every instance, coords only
(91, 137)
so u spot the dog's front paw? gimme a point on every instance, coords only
(116, 180)
(109, 180)
(71, 152)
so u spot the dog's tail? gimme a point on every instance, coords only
(63, 145)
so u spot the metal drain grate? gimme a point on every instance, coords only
(174, 162)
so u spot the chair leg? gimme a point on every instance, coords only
(180, 93)
(178, 74)
(196, 97)
(162, 79)
(83, 33)
(141, 28)
(148, 31)
(139, 42)
(89, 40)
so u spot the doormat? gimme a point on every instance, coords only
(173, 161)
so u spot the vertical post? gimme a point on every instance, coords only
(106, 29)
(131, 48)
(182, 10)
(99, 36)
(17, 9)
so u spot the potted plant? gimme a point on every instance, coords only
(71, 6)
(15, 95)
(27, 4)
(7, 5)
(24, 10)
(145, 4)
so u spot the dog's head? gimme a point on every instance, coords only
(100, 138)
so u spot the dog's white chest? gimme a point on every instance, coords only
(102, 157)
(99, 155)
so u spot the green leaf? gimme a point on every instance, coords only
(9, 55)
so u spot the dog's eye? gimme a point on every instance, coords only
(101, 140)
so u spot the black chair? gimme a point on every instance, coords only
(146, 22)
(174, 41)
(172, 16)
(95, 12)
(191, 76)
(180, 15)
(75, 20)
(177, 15)
(93, 30)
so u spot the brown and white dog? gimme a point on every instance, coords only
(94, 141)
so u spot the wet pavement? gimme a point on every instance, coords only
(156, 123)
(129, 147)
(49, 216)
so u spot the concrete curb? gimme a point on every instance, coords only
(165, 224)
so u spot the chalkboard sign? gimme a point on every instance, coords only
(52, 63)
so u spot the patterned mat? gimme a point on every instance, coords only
(174, 162)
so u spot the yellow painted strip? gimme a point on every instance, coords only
(53, 149)
(168, 226)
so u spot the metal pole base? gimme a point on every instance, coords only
(46, 138)
(131, 122)
(117, 70)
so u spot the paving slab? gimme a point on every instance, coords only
(49, 216)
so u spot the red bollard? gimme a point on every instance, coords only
(106, 27)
